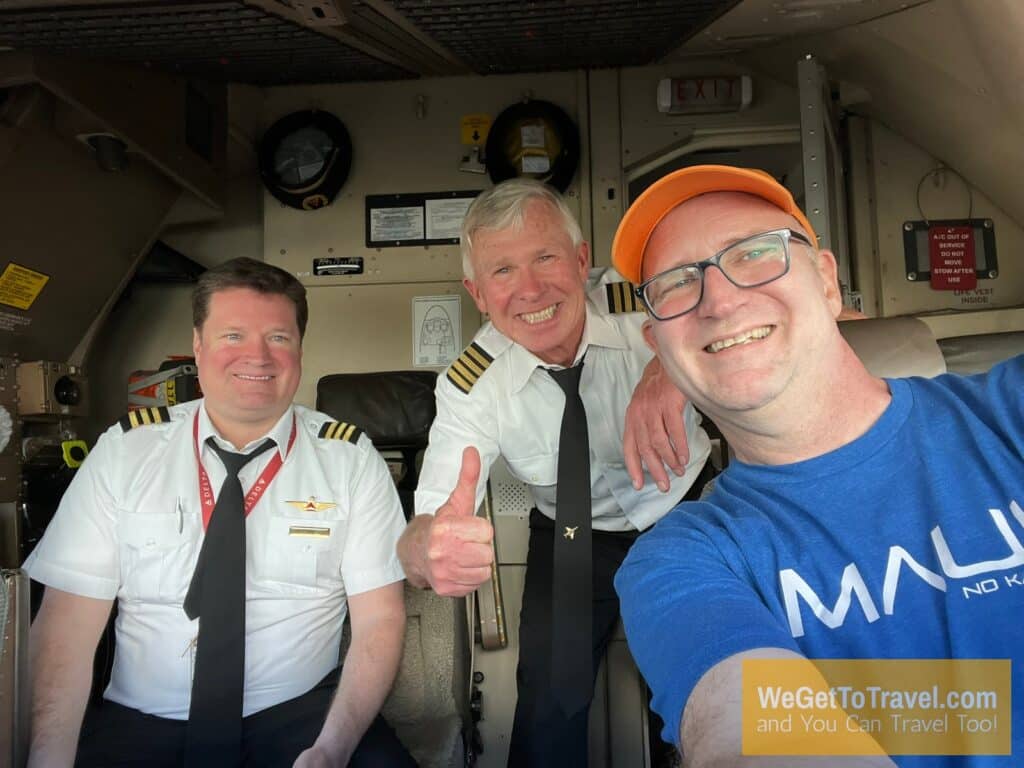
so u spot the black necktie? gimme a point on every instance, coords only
(572, 656)
(217, 596)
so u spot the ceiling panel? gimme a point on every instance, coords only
(494, 36)
(221, 41)
(268, 42)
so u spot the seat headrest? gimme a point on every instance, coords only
(976, 354)
(894, 347)
(394, 408)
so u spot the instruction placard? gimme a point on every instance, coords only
(436, 330)
(444, 217)
(396, 224)
(416, 218)
(20, 286)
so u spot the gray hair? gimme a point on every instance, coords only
(504, 206)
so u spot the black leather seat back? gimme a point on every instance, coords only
(394, 408)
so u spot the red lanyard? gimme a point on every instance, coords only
(206, 499)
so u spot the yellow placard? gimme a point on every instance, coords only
(876, 706)
(19, 286)
(475, 129)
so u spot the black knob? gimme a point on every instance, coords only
(66, 391)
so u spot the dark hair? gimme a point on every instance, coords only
(254, 275)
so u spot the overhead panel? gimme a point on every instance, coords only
(500, 37)
(231, 41)
(272, 42)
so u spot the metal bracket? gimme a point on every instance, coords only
(824, 187)
(493, 633)
(319, 13)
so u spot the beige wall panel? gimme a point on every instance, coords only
(367, 328)
(898, 168)
(945, 72)
(84, 227)
(646, 132)
(237, 232)
(211, 236)
(145, 107)
(395, 151)
(606, 188)
(243, 207)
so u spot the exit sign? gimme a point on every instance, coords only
(698, 95)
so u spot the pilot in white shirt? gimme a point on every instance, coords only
(512, 408)
(249, 679)
(130, 527)
(526, 266)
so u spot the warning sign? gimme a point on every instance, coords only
(475, 129)
(951, 252)
(19, 286)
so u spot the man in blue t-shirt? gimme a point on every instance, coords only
(862, 518)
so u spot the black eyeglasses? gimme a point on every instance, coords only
(753, 261)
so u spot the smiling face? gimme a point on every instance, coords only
(743, 348)
(249, 356)
(531, 283)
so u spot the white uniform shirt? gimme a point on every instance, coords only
(514, 409)
(130, 527)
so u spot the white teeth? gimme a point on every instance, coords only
(743, 338)
(253, 378)
(539, 316)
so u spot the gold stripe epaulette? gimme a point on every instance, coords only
(622, 298)
(469, 367)
(340, 430)
(140, 417)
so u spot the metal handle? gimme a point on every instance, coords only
(14, 682)
(493, 634)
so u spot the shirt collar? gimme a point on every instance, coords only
(279, 433)
(598, 331)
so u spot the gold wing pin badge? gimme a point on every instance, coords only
(312, 505)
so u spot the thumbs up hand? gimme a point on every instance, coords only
(458, 544)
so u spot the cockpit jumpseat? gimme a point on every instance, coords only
(429, 703)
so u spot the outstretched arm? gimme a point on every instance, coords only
(450, 551)
(63, 641)
(710, 732)
(655, 434)
(378, 628)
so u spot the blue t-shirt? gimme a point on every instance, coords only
(767, 558)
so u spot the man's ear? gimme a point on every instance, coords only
(825, 262)
(475, 294)
(648, 331)
(583, 256)
(197, 344)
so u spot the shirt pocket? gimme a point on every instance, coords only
(303, 555)
(538, 470)
(157, 553)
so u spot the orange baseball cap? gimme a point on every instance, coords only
(666, 193)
